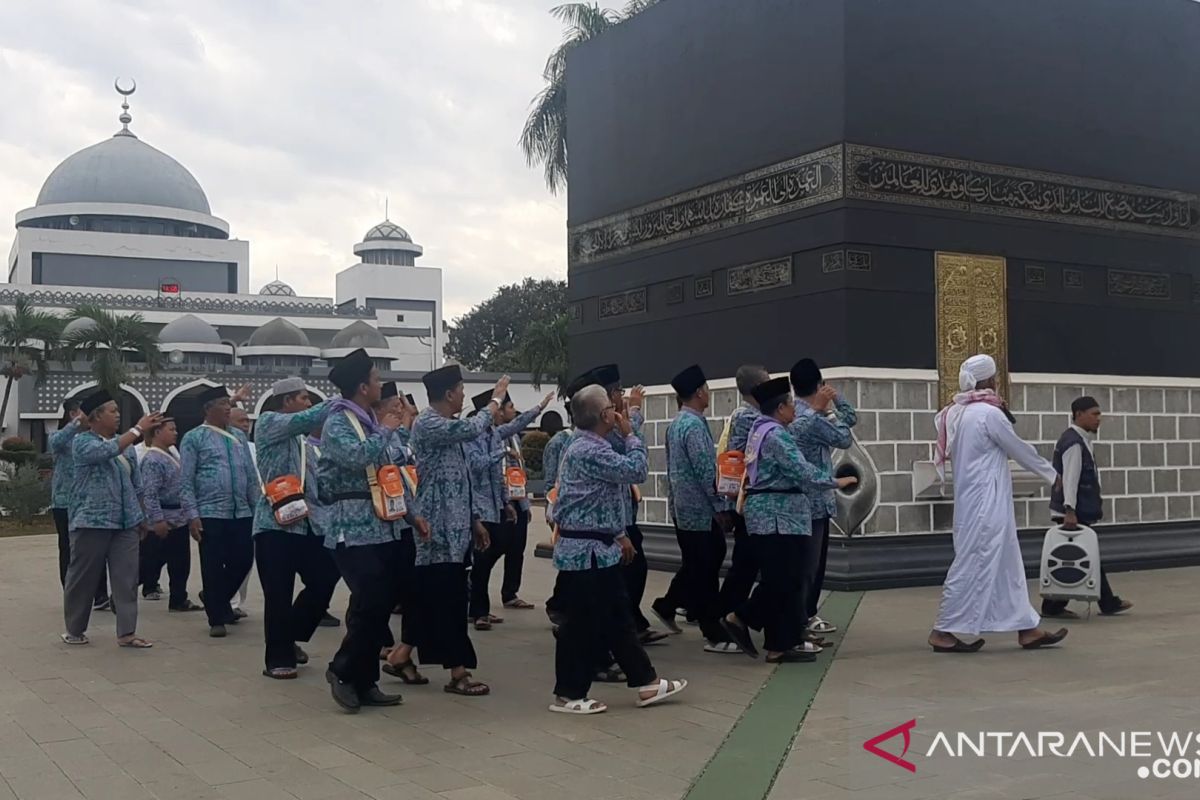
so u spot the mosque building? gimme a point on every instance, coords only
(124, 226)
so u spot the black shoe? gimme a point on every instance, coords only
(374, 697)
(217, 631)
(343, 693)
(329, 621)
(188, 605)
(102, 604)
(238, 614)
(666, 612)
(301, 656)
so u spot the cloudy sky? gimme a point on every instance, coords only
(298, 118)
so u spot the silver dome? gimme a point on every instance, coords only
(278, 333)
(277, 288)
(75, 325)
(123, 169)
(188, 329)
(359, 334)
(387, 231)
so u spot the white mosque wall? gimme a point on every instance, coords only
(129, 245)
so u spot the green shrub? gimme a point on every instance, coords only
(532, 445)
(25, 494)
(17, 444)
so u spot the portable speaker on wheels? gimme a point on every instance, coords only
(1070, 565)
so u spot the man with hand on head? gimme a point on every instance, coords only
(73, 423)
(592, 544)
(105, 517)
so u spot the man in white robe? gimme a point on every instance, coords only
(985, 589)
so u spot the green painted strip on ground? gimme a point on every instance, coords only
(745, 765)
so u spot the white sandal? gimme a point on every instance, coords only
(664, 689)
(723, 647)
(582, 707)
(818, 625)
(809, 647)
(69, 638)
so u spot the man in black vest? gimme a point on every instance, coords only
(1075, 499)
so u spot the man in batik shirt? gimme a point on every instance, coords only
(355, 444)
(508, 518)
(823, 422)
(284, 551)
(778, 520)
(593, 541)
(167, 540)
(219, 491)
(73, 423)
(701, 516)
(444, 490)
(105, 518)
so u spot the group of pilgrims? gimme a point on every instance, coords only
(413, 510)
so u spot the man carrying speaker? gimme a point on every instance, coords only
(1076, 500)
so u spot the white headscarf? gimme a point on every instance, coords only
(975, 370)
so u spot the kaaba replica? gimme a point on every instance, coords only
(888, 187)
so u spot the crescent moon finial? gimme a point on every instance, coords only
(125, 118)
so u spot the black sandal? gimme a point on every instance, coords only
(1046, 640)
(401, 671)
(739, 633)
(959, 646)
(466, 687)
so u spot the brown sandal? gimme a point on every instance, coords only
(466, 687)
(406, 671)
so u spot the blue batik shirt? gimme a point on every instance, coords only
(219, 479)
(618, 443)
(500, 438)
(278, 440)
(552, 455)
(488, 496)
(444, 484)
(593, 485)
(63, 477)
(349, 515)
(108, 489)
(817, 436)
(787, 474)
(739, 427)
(692, 472)
(161, 476)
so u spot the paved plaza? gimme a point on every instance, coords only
(192, 718)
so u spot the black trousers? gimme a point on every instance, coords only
(481, 567)
(598, 621)
(226, 554)
(370, 571)
(696, 586)
(514, 555)
(776, 606)
(175, 551)
(634, 574)
(743, 570)
(441, 618)
(64, 554)
(815, 555)
(407, 590)
(281, 557)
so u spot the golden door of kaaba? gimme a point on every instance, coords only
(972, 316)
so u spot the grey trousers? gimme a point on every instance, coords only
(91, 551)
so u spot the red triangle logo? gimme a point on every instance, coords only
(872, 745)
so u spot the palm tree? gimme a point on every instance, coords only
(110, 343)
(544, 351)
(19, 328)
(544, 137)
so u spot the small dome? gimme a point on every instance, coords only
(358, 334)
(278, 288)
(123, 169)
(188, 329)
(387, 231)
(81, 324)
(278, 333)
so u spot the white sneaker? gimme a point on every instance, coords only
(818, 625)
